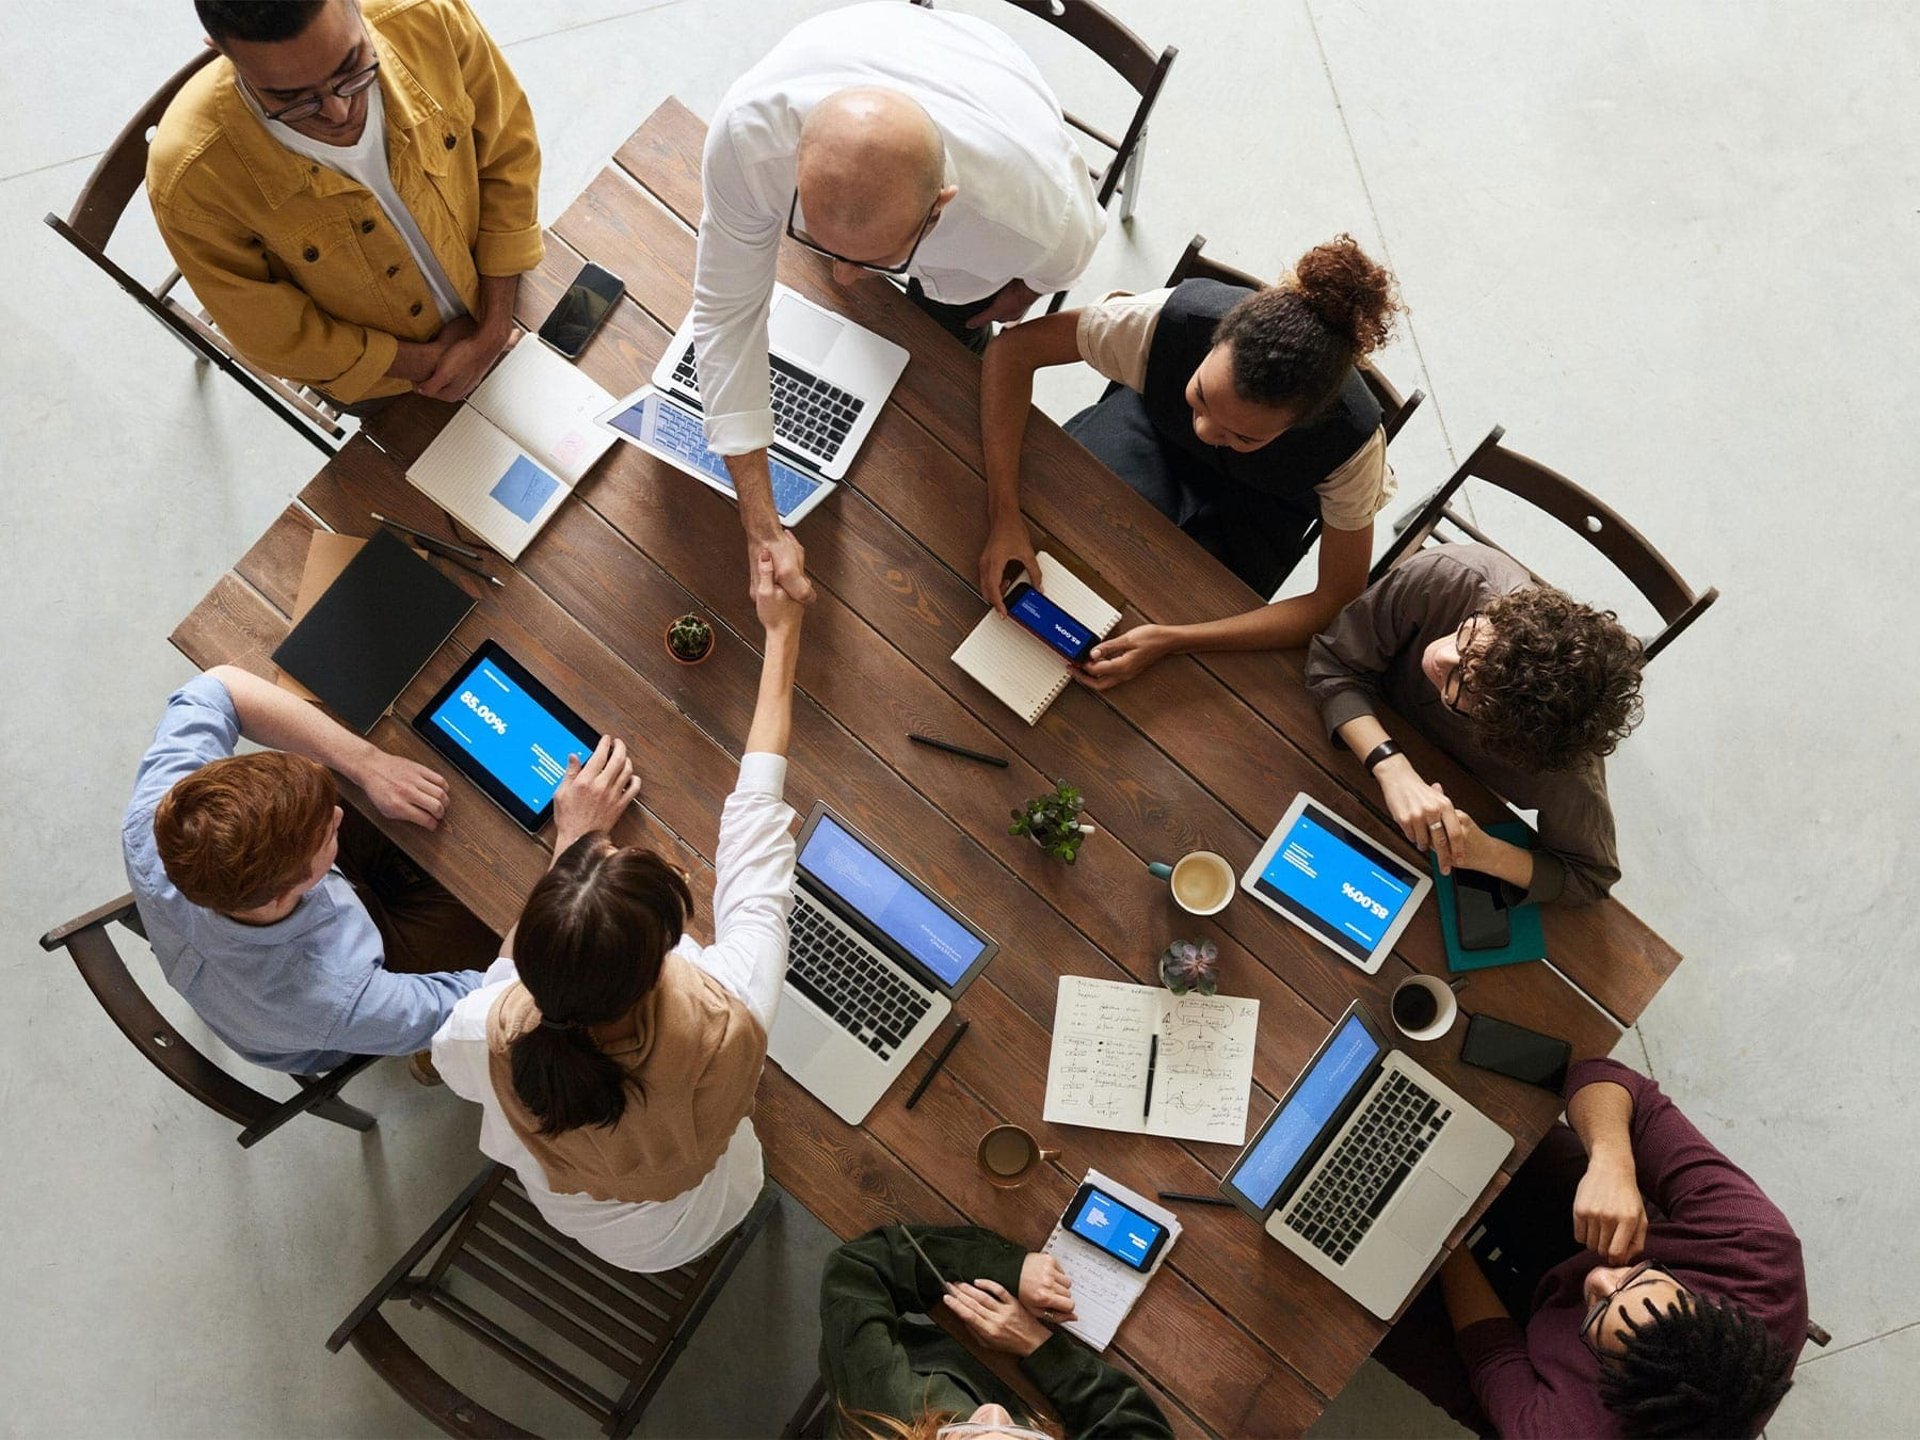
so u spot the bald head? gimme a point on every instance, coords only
(870, 166)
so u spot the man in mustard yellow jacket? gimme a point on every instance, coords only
(352, 192)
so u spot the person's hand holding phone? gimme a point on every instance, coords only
(1009, 546)
(1121, 657)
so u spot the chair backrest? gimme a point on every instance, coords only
(1395, 409)
(122, 171)
(1677, 603)
(634, 1326)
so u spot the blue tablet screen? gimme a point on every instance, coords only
(1345, 894)
(509, 733)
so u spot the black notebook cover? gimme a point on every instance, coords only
(372, 630)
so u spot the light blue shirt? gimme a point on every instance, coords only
(303, 994)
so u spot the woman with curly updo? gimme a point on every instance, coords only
(1521, 683)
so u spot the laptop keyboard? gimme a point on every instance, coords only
(675, 430)
(1373, 1161)
(807, 411)
(863, 994)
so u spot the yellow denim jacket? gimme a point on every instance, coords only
(298, 264)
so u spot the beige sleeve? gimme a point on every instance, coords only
(1359, 490)
(1115, 335)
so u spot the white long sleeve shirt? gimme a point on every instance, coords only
(1025, 210)
(752, 898)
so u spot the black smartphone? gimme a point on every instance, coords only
(1120, 1230)
(1517, 1052)
(1050, 622)
(1480, 911)
(588, 301)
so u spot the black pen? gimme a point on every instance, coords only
(432, 542)
(1153, 1058)
(961, 751)
(469, 567)
(934, 1069)
(1197, 1199)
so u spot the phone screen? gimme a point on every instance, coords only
(581, 310)
(1517, 1052)
(1050, 622)
(1123, 1233)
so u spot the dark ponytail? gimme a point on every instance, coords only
(589, 946)
(1294, 344)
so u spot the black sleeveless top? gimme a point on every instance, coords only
(1293, 462)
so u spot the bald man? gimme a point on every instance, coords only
(894, 140)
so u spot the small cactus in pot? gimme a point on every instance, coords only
(689, 639)
(1191, 965)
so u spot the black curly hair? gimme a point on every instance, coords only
(1705, 1368)
(260, 21)
(1557, 683)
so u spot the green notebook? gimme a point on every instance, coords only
(1526, 940)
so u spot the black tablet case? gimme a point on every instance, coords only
(372, 630)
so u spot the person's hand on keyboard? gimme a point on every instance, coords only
(789, 566)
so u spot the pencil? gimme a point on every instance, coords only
(430, 541)
(938, 1061)
(959, 750)
(1197, 1199)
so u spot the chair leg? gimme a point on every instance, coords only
(416, 1252)
(319, 1095)
(1130, 177)
(801, 1422)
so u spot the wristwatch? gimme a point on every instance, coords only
(1384, 750)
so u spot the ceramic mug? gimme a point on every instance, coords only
(1428, 996)
(1009, 1155)
(1202, 881)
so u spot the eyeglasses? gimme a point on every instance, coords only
(968, 1429)
(1454, 687)
(800, 237)
(1645, 1271)
(343, 89)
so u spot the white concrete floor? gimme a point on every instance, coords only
(1671, 246)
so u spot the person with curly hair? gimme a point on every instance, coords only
(1661, 1293)
(1239, 414)
(1521, 683)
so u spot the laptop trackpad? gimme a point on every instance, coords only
(800, 332)
(1427, 1211)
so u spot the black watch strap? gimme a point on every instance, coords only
(1384, 750)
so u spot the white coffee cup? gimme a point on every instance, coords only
(1202, 882)
(1446, 1007)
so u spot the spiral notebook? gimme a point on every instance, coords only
(1022, 670)
(1104, 1289)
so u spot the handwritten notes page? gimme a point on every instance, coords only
(1102, 1037)
(1104, 1289)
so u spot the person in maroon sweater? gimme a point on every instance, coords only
(1663, 1293)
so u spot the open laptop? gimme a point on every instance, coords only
(662, 426)
(1367, 1165)
(829, 377)
(873, 966)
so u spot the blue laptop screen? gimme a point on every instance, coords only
(892, 904)
(1304, 1114)
(1343, 893)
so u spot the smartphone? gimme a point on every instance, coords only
(1480, 911)
(1517, 1052)
(588, 301)
(1050, 622)
(1123, 1232)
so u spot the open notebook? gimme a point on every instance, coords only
(1104, 1289)
(1015, 664)
(516, 449)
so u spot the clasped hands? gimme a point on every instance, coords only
(1428, 819)
(1014, 1324)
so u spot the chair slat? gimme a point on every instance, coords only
(557, 1290)
(512, 1291)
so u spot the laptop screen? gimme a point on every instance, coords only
(1342, 1065)
(893, 905)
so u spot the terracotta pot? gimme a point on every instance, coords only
(677, 657)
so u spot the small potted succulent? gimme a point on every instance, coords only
(1191, 965)
(689, 639)
(1052, 821)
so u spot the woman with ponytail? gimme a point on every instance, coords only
(614, 1058)
(1239, 414)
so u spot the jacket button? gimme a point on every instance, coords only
(366, 227)
(310, 254)
(414, 309)
(451, 142)
(392, 270)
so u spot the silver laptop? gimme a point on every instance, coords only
(1367, 1165)
(873, 967)
(829, 376)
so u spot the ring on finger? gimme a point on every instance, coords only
(1438, 825)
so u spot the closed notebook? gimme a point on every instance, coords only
(516, 449)
(1526, 938)
(372, 631)
(1020, 668)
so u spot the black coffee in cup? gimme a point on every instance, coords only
(1414, 1007)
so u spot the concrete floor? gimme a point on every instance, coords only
(1669, 245)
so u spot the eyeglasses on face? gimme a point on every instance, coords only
(800, 237)
(1643, 1273)
(344, 88)
(1454, 688)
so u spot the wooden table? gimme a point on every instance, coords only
(1234, 1337)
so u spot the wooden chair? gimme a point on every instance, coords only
(1395, 410)
(1677, 603)
(634, 1325)
(92, 950)
(1135, 62)
(120, 175)
(809, 1422)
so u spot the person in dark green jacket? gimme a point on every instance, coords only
(889, 1377)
